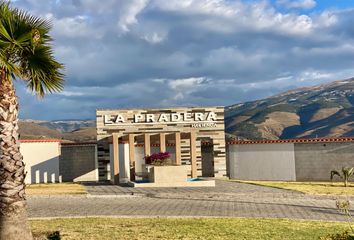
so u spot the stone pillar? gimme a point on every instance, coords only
(131, 140)
(115, 158)
(147, 150)
(131, 149)
(193, 147)
(124, 164)
(162, 142)
(178, 148)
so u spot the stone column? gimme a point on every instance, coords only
(193, 147)
(131, 140)
(178, 148)
(162, 142)
(147, 150)
(115, 158)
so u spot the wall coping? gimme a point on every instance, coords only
(48, 140)
(78, 143)
(299, 140)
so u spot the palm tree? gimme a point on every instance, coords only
(346, 174)
(25, 54)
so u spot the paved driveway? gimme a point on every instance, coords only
(227, 199)
(222, 188)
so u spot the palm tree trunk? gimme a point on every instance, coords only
(13, 210)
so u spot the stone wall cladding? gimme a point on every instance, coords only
(78, 163)
(315, 161)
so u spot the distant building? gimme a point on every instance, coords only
(180, 131)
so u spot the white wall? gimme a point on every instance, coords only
(262, 161)
(42, 161)
(124, 165)
(139, 159)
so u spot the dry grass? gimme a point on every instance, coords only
(319, 188)
(55, 189)
(187, 229)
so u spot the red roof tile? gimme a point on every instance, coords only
(39, 140)
(298, 140)
(78, 143)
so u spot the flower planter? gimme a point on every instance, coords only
(167, 174)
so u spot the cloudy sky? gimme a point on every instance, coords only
(161, 53)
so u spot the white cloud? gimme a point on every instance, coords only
(129, 13)
(186, 82)
(74, 27)
(302, 4)
(312, 75)
(71, 94)
(151, 53)
(154, 37)
(209, 7)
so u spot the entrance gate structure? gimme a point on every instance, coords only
(183, 130)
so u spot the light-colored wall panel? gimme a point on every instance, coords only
(262, 161)
(42, 161)
(315, 161)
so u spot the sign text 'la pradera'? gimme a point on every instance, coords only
(186, 117)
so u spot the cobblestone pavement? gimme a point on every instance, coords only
(227, 199)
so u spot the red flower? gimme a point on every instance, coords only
(157, 158)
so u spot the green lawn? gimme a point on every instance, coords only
(55, 189)
(321, 188)
(185, 228)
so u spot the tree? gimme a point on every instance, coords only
(346, 174)
(25, 54)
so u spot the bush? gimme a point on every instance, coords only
(343, 206)
(339, 236)
(346, 174)
(158, 159)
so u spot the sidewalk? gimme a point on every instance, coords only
(228, 199)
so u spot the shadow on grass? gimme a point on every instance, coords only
(47, 236)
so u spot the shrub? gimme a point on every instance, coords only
(339, 236)
(343, 207)
(158, 159)
(346, 174)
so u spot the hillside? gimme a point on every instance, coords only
(76, 131)
(32, 130)
(321, 111)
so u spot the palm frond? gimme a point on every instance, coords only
(334, 173)
(347, 172)
(26, 52)
(42, 71)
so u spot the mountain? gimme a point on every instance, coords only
(325, 110)
(64, 125)
(32, 130)
(70, 130)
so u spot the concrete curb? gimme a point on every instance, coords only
(173, 217)
(134, 195)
